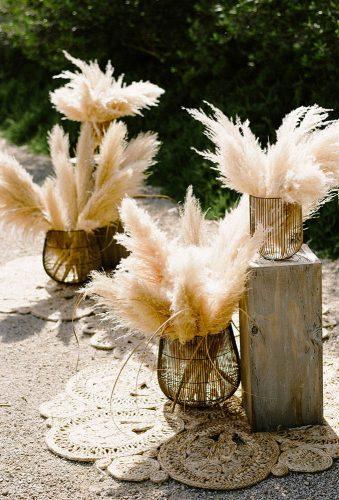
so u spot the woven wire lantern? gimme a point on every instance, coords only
(201, 373)
(69, 256)
(283, 224)
(111, 252)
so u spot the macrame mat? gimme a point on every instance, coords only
(219, 455)
(25, 288)
(135, 436)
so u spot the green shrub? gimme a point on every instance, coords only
(257, 59)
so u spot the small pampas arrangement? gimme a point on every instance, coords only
(94, 96)
(185, 290)
(287, 181)
(302, 166)
(79, 199)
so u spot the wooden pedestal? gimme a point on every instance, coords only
(281, 343)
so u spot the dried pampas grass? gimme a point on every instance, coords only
(84, 196)
(92, 95)
(301, 167)
(21, 201)
(116, 174)
(184, 287)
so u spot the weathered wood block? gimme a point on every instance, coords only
(281, 343)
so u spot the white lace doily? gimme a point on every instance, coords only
(125, 431)
(89, 423)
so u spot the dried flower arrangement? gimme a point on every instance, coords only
(301, 169)
(81, 197)
(94, 96)
(181, 289)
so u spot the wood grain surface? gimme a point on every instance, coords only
(281, 343)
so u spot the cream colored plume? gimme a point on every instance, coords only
(301, 166)
(192, 224)
(120, 170)
(232, 232)
(129, 303)
(190, 302)
(21, 204)
(324, 146)
(57, 218)
(84, 166)
(140, 152)
(82, 196)
(65, 182)
(111, 154)
(92, 95)
(147, 243)
(178, 288)
(238, 155)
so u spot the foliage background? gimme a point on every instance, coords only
(254, 58)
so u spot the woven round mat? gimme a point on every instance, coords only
(122, 432)
(322, 437)
(305, 458)
(133, 433)
(25, 288)
(134, 468)
(219, 456)
(88, 422)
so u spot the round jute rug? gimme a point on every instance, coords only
(133, 433)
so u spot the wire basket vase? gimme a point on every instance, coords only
(201, 373)
(69, 256)
(283, 224)
(111, 252)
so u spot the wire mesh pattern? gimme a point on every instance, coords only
(283, 224)
(69, 256)
(201, 373)
(111, 252)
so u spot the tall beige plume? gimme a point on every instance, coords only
(179, 288)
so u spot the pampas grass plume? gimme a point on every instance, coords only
(181, 288)
(300, 167)
(21, 203)
(84, 196)
(92, 95)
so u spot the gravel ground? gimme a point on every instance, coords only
(36, 360)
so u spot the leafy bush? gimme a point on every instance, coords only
(258, 59)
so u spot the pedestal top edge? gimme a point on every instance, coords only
(304, 256)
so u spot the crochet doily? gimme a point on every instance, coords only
(124, 431)
(25, 288)
(133, 433)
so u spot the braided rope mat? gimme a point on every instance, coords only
(134, 435)
(219, 456)
(28, 289)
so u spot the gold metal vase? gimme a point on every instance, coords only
(111, 252)
(69, 256)
(201, 373)
(282, 223)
